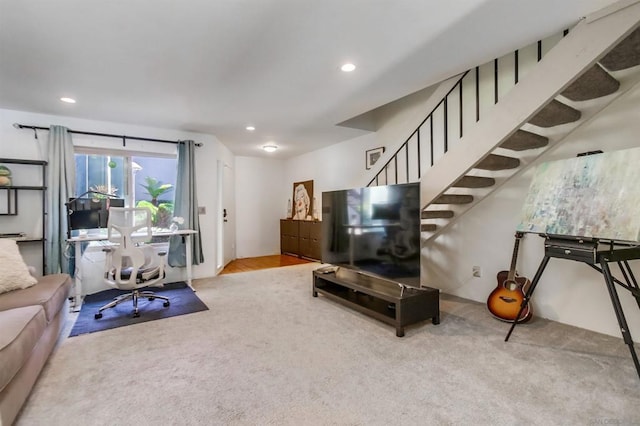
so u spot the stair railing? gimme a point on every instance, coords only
(411, 152)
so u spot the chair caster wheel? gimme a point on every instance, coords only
(151, 299)
(136, 314)
(98, 316)
(166, 304)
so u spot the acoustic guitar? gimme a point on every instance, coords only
(505, 300)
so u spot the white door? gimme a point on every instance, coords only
(226, 215)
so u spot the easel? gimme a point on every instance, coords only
(598, 254)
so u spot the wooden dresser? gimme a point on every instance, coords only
(301, 238)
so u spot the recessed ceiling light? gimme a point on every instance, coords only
(68, 100)
(348, 67)
(250, 128)
(270, 147)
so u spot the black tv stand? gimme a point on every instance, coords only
(393, 302)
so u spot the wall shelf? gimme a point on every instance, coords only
(9, 198)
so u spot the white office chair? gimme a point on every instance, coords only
(130, 264)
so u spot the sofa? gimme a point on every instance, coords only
(31, 319)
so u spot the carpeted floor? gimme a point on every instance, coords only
(269, 353)
(182, 301)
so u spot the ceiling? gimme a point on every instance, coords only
(216, 66)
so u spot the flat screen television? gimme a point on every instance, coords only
(373, 229)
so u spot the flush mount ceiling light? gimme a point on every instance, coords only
(270, 147)
(250, 128)
(68, 100)
(348, 67)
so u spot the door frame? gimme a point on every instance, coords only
(225, 230)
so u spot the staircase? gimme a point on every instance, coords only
(579, 77)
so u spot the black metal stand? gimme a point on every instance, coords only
(591, 253)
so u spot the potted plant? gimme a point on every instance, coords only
(161, 212)
(155, 188)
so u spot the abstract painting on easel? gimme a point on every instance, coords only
(595, 196)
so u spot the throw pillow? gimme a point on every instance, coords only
(15, 274)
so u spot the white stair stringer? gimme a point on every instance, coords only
(574, 54)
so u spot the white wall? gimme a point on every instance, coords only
(264, 186)
(20, 143)
(335, 167)
(261, 202)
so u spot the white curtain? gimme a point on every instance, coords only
(186, 206)
(61, 180)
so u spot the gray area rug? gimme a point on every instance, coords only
(182, 301)
(268, 353)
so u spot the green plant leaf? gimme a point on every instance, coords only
(151, 207)
(155, 188)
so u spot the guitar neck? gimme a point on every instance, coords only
(514, 258)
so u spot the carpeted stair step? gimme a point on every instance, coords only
(474, 182)
(555, 113)
(522, 140)
(436, 214)
(498, 162)
(428, 227)
(453, 199)
(593, 84)
(625, 55)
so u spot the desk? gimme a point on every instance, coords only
(77, 240)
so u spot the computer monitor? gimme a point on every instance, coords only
(90, 213)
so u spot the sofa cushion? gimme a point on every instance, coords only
(20, 331)
(51, 291)
(15, 274)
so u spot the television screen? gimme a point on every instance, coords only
(374, 229)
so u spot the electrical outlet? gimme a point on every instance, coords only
(202, 210)
(476, 271)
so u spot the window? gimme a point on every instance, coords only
(142, 180)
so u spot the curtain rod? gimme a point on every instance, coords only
(106, 135)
